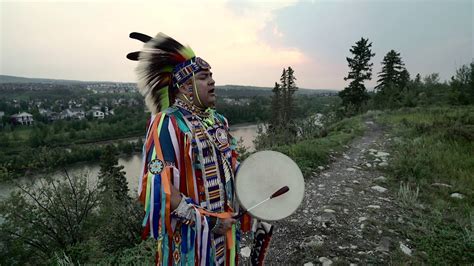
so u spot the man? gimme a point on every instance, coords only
(189, 159)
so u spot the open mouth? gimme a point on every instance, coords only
(212, 91)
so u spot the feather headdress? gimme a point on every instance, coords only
(163, 65)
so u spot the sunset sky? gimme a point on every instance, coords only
(246, 42)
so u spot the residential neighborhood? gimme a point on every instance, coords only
(26, 104)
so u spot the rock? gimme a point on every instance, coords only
(294, 220)
(373, 206)
(379, 189)
(350, 169)
(321, 185)
(346, 157)
(457, 196)
(405, 249)
(372, 151)
(245, 252)
(326, 175)
(310, 223)
(353, 246)
(361, 219)
(382, 154)
(346, 211)
(305, 211)
(321, 167)
(380, 178)
(308, 264)
(329, 210)
(368, 165)
(312, 241)
(325, 261)
(384, 244)
(441, 185)
(383, 164)
(326, 217)
(355, 182)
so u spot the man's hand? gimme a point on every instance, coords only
(222, 225)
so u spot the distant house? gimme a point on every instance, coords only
(78, 113)
(52, 116)
(98, 114)
(73, 113)
(22, 119)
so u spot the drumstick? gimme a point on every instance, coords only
(275, 194)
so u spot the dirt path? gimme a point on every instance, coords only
(347, 214)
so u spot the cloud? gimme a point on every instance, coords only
(89, 40)
(432, 36)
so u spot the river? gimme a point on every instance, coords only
(131, 164)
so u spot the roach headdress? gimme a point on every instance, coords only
(163, 65)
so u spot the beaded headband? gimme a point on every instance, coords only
(183, 71)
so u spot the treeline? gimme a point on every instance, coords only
(395, 88)
(45, 159)
(66, 142)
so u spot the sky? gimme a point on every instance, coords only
(246, 42)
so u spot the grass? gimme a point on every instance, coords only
(435, 145)
(311, 153)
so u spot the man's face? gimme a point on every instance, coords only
(205, 88)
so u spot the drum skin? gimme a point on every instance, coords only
(263, 173)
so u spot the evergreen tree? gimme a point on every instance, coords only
(462, 85)
(291, 89)
(393, 72)
(284, 95)
(112, 180)
(119, 225)
(392, 82)
(276, 107)
(355, 95)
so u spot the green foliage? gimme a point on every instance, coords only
(71, 221)
(462, 85)
(355, 94)
(313, 152)
(254, 110)
(393, 71)
(120, 216)
(39, 219)
(436, 145)
(283, 107)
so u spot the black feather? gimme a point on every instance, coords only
(133, 56)
(140, 36)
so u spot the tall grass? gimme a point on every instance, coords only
(436, 145)
(314, 152)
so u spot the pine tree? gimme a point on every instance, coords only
(275, 120)
(290, 106)
(355, 95)
(393, 72)
(119, 225)
(112, 180)
(284, 95)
